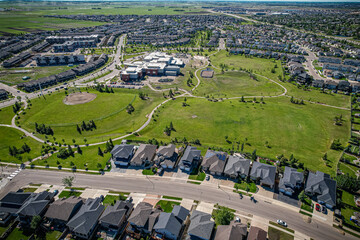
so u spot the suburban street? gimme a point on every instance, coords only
(209, 193)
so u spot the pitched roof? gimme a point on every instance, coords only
(180, 212)
(214, 160)
(62, 208)
(291, 177)
(35, 204)
(323, 186)
(166, 151)
(13, 201)
(256, 233)
(114, 214)
(237, 165)
(122, 150)
(144, 152)
(168, 221)
(189, 155)
(233, 231)
(263, 171)
(141, 213)
(87, 216)
(200, 225)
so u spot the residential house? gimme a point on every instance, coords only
(256, 233)
(233, 231)
(63, 209)
(318, 83)
(201, 226)
(322, 188)
(264, 173)
(3, 94)
(85, 220)
(142, 220)
(344, 86)
(214, 162)
(122, 154)
(167, 226)
(115, 215)
(331, 84)
(291, 181)
(237, 166)
(144, 155)
(36, 205)
(190, 159)
(166, 156)
(11, 203)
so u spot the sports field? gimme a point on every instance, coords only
(274, 128)
(107, 110)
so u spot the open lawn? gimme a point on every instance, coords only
(14, 76)
(251, 186)
(348, 169)
(11, 137)
(18, 234)
(236, 84)
(52, 235)
(6, 114)
(88, 159)
(24, 22)
(111, 121)
(307, 205)
(67, 194)
(276, 234)
(263, 67)
(29, 189)
(167, 206)
(306, 131)
(348, 208)
(110, 199)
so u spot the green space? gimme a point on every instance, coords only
(308, 132)
(52, 235)
(15, 138)
(236, 84)
(110, 199)
(280, 226)
(149, 171)
(193, 182)
(111, 121)
(14, 76)
(197, 174)
(173, 198)
(27, 22)
(76, 188)
(6, 115)
(349, 158)
(121, 193)
(249, 187)
(88, 159)
(18, 234)
(67, 194)
(167, 206)
(348, 207)
(276, 234)
(29, 189)
(348, 169)
(307, 205)
(222, 215)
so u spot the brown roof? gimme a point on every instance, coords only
(256, 233)
(234, 231)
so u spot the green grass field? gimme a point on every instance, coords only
(236, 84)
(111, 121)
(348, 169)
(6, 114)
(276, 234)
(348, 208)
(67, 194)
(305, 131)
(167, 206)
(12, 137)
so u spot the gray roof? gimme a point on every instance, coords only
(263, 171)
(200, 225)
(13, 201)
(291, 178)
(168, 221)
(180, 212)
(144, 152)
(87, 216)
(36, 204)
(233, 231)
(321, 185)
(166, 151)
(63, 208)
(189, 155)
(113, 215)
(122, 151)
(214, 160)
(237, 165)
(141, 214)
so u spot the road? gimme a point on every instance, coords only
(208, 193)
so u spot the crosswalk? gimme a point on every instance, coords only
(12, 175)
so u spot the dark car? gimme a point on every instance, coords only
(324, 210)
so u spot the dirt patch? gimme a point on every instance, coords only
(79, 98)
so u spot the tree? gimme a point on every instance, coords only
(35, 222)
(247, 189)
(348, 183)
(171, 127)
(78, 128)
(253, 155)
(100, 153)
(68, 181)
(99, 166)
(223, 216)
(79, 149)
(302, 196)
(242, 99)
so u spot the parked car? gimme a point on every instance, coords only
(317, 207)
(207, 177)
(324, 210)
(281, 222)
(56, 192)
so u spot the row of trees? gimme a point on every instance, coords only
(14, 151)
(86, 126)
(169, 128)
(99, 87)
(16, 107)
(296, 101)
(42, 129)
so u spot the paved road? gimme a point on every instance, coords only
(208, 193)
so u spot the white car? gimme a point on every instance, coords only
(281, 222)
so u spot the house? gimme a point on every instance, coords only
(233, 231)
(168, 226)
(291, 181)
(121, 154)
(36, 205)
(264, 173)
(256, 233)
(189, 159)
(142, 220)
(237, 166)
(63, 209)
(200, 227)
(3, 94)
(11, 203)
(322, 188)
(85, 221)
(214, 162)
(344, 86)
(318, 83)
(331, 84)
(144, 155)
(166, 156)
(115, 216)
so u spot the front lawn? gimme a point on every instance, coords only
(52, 235)
(149, 171)
(67, 194)
(243, 185)
(197, 175)
(29, 189)
(276, 234)
(167, 206)
(347, 210)
(307, 205)
(110, 199)
(18, 234)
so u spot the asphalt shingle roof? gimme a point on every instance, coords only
(63, 208)
(122, 151)
(321, 185)
(114, 214)
(263, 171)
(200, 225)
(237, 165)
(168, 221)
(144, 152)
